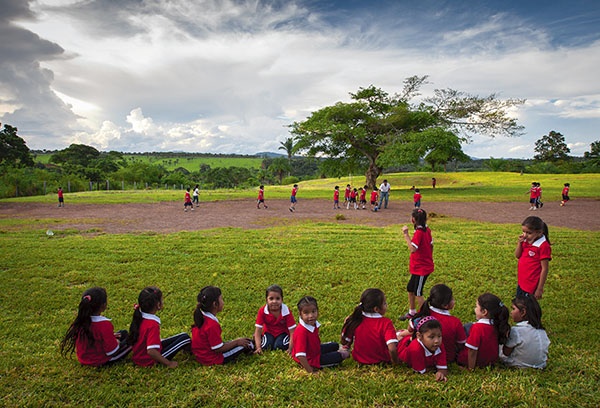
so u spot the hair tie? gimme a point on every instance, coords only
(136, 306)
(422, 321)
(500, 304)
(87, 297)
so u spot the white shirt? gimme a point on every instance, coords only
(384, 187)
(530, 347)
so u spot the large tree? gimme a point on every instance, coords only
(76, 154)
(375, 122)
(551, 148)
(13, 150)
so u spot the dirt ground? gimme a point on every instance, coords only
(170, 217)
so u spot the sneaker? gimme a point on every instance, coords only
(407, 316)
(291, 209)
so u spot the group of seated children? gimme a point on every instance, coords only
(434, 338)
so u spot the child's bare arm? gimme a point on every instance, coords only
(304, 363)
(159, 358)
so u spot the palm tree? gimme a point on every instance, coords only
(289, 147)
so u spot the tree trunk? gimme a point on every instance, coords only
(372, 173)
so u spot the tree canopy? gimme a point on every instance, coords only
(13, 150)
(551, 148)
(376, 129)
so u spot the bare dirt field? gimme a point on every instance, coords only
(170, 217)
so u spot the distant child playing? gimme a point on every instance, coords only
(565, 194)
(307, 349)
(92, 335)
(336, 198)
(195, 195)
(527, 344)
(421, 260)
(61, 198)
(207, 344)
(417, 198)
(485, 335)
(534, 254)
(374, 198)
(363, 197)
(372, 335)
(275, 323)
(187, 201)
(144, 332)
(261, 197)
(347, 195)
(293, 198)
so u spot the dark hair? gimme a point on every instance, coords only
(336, 187)
(498, 314)
(207, 298)
(90, 304)
(425, 324)
(567, 185)
(365, 187)
(532, 309)
(369, 300)
(439, 297)
(261, 186)
(307, 301)
(274, 288)
(416, 190)
(148, 300)
(420, 217)
(536, 224)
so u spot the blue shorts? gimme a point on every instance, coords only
(293, 199)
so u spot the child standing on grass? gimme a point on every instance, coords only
(61, 197)
(363, 197)
(424, 351)
(92, 335)
(144, 332)
(347, 195)
(261, 197)
(336, 198)
(293, 198)
(275, 323)
(417, 198)
(374, 198)
(207, 344)
(533, 196)
(438, 304)
(307, 349)
(372, 334)
(196, 195)
(534, 254)
(565, 194)
(421, 260)
(527, 344)
(187, 201)
(485, 335)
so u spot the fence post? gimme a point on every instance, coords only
(122, 184)
(134, 184)
(69, 186)
(91, 186)
(44, 187)
(107, 185)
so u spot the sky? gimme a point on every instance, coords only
(230, 76)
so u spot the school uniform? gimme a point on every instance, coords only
(565, 194)
(530, 347)
(371, 339)
(373, 197)
(207, 338)
(149, 338)
(275, 326)
(417, 200)
(483, 337)
(530, 266)
(453, 332)
(106, 346)
(421, 261)
(419, 358)
(307, 343)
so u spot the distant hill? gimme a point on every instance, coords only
(269, 155)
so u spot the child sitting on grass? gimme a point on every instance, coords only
(92, 335)
(527, 344)
(275, 322)
(307, 349)
(372, 334)
(425, 350)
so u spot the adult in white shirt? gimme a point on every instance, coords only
(384, 193)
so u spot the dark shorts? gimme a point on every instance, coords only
(61, 199)
(416, 284)
(532, 200)
(293, 199)
(566, 198)
(187, 204)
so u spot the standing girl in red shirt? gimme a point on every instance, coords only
(144, 332)
(534, 254)
(336, 197)
(275, 322)
(207, 344)
(372, 334)
(92, 335)
(421, 260)
(485, 335)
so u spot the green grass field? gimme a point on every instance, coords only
(42, 279)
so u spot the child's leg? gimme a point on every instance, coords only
(281, 342)
(330, 356)
(172, 345)
(267, 341)
(234, 353)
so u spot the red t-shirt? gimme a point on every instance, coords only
(275, 325)
(483, 337)
(353, 194)
(419, 358)
(453, 332)
(371, 339)
(206, 339)
(373, 196)
(417, 197)
(530, 266)
(261, 194)
(565, 191)
(294, 191)
(105, 343)
(363, 195)
(336, 195)
(188, 198)
(149, 338)
(60, 194)
(307, 343)
(421, 261)
(347, 193)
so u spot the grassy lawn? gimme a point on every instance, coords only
(42, 278)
